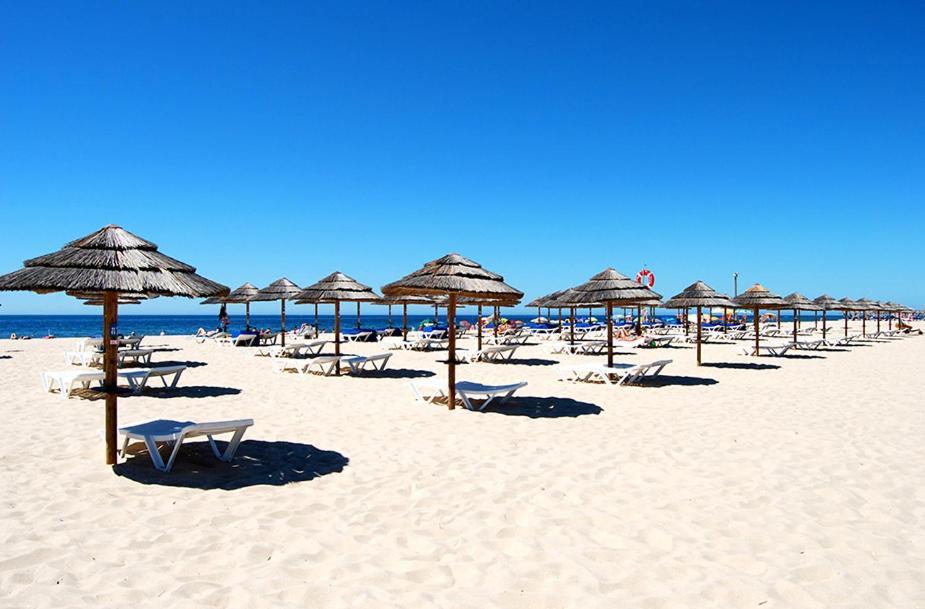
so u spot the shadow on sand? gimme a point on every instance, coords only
(541, 408)
(533, 361)
(393, 373)
(154, 391)
(257, 463)
(666, 380)
(740, 366)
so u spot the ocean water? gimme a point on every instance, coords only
(92, 325)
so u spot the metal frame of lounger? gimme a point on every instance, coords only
(361, 363)
(175, 432)
(138, 378)
(358, 337)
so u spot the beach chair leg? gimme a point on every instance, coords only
(156, 456)
(173, 453)
(233, 444)
(124, 447)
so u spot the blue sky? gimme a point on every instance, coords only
(784, 141)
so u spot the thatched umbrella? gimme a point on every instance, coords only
(404, 301)
(756, 298)
(699, 295)
(334, 289)
(846, 305)
(244, 294)
(570, 299)
(798, 302)
(826, 303)
(610, 288)
(892, 308)
(282, 290)
(456, 277)
(866, 305)
(106, 264)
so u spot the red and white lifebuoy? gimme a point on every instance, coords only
(646, 277)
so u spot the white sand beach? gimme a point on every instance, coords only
(791, 482)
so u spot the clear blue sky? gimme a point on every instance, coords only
(785, 141)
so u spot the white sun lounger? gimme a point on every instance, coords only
(655, 342)
(492, 353)
(175, 432)
(292, 350)
(429, 391)
(359, 363)
(627, 373)
(808, 345)
(772, 350)
(138, 378)
(66, 380)
(359, 336)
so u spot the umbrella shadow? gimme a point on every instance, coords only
(6, 357)
(394, 373)
(189, 391)
(741, 366)
(257, 463)
(802, 356)
(188, 364)
(666, 380)
(533, 407)
(533, 361)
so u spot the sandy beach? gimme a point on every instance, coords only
(791, 482)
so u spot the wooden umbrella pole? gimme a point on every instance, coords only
(404, 320)
(247, 315)
(451, 371)
(609, 309)
(317, 329)
(757, 340)
(494, 325)
(687, 321)
(725, 319)
(572, 326)
(794, 326)
(359, 323)
(698, 335)
(778, 318)
(878, 322)
(823, 324)
(479, 330)
(638, 320)
(864, 323)
(390, 317)
(337, 334)
(845, 313)
(110, 347)
(282, 320)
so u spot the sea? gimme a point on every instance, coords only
(37, 326)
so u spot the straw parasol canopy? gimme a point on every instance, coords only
(865, 304)
(610, 288)
(797, 302)
(698, 295)
(336, 288)
(102, 266)
(826, 303)
(282, 290)
(456, 277)
(243, 294)
(756, 298)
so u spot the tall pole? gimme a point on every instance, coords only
(823, 323)
(845, 313)
(282, 320)
(609, 308)
(358, 316)
(337, 334)
(864, 323)
(451, 372)
(247, 315)
(794, 326)
(687, 321)
(735, 285)
(638, 320)
(757, 340)
(725, 319)
(317, 329)
(479, 330)
(698, 334)
(110, 347)
(572, 325)
(404, 320)
(494, 325)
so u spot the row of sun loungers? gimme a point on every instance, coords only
(328, 365)
(65, 381)
(624, 373)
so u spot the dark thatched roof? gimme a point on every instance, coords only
(759, 296)
(800, 303)
(698, 294)
(616, 288)
(892, 306)
(242, 294)
(111, 260)
(846, 304)
(827, 303)
(337, 287)
(569, 298)
(281, 289)
(542, 300)
(866, 304)
(454, 274)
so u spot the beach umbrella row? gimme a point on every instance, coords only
(282, 290)
(756, 298)
(104, 267)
